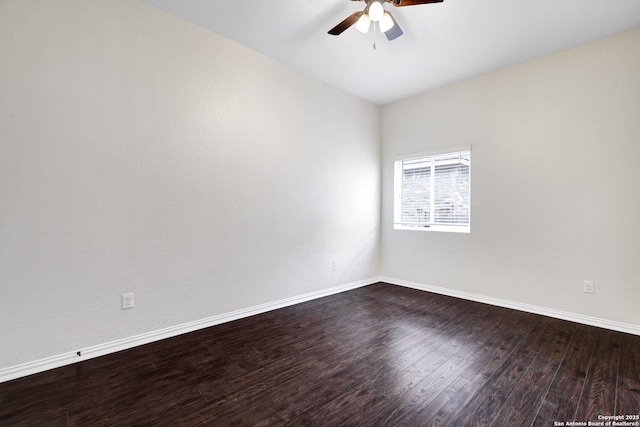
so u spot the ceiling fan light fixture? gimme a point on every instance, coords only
(363, 24)
(386, 22)
(376, 11)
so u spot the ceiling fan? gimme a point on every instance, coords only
(374, 12)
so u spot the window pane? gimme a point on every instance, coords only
(451, 199)
(416, 194)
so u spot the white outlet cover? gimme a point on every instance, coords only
(127, 301)
(588, 287)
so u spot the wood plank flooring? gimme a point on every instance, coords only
(381, 355)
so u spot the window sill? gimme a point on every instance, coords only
(441, 228)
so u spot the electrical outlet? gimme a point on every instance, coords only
(587, 287)
(334, 265)
(359, 261)
(127, 301)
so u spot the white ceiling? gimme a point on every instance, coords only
(443, 43)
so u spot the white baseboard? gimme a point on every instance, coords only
(52, 362)
(64, 359)
(558, 314)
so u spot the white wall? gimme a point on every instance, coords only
(140, 153)
(555, 182)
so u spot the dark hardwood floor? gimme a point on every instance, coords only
(381, 355)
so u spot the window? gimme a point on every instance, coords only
(432, 192)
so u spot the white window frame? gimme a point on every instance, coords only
(398, 223)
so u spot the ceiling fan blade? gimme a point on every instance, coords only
(395, 31)
(400, 3)
(349, 21)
